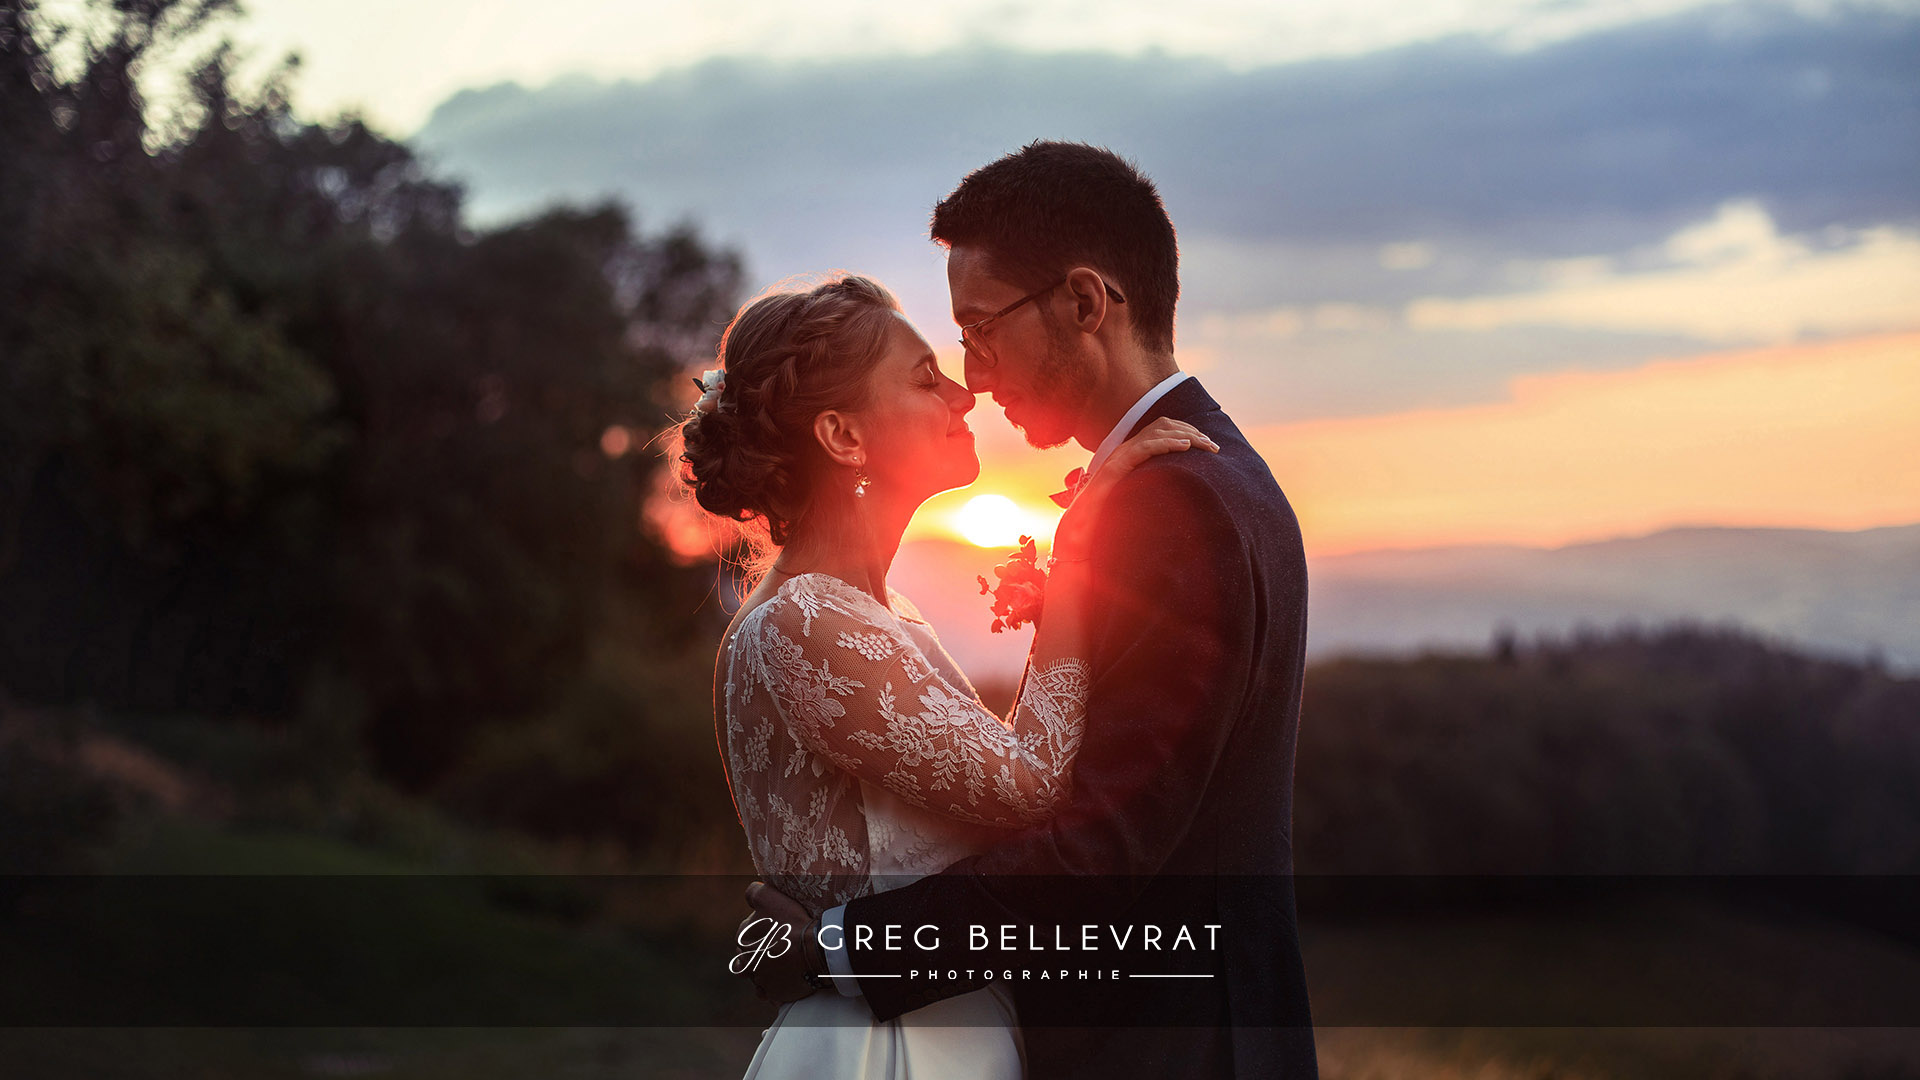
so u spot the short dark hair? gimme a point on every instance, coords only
(1050, 206)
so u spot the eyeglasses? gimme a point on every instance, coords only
(975, 342)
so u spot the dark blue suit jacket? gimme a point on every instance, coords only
(1182, 800)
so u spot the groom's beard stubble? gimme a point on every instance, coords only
(1059, 392)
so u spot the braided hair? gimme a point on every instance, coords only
(788, 356)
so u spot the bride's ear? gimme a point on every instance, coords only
(839, 435)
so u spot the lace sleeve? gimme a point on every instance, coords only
(849, 686)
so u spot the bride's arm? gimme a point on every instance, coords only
(862, 695)
(859, 693)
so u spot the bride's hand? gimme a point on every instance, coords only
(1164, 436)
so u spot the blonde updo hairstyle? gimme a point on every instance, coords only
(788, 356)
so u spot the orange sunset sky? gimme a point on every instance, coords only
(1820, 435)
(1534, 272)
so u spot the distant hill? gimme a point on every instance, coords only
(1844, 593)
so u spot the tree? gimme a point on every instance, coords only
(273, 413)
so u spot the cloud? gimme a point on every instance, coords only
(1359, 235)
(1594, 143)
(1729, 280)
(423, 50)
(1733, 278)
(1412, 255)
(1289, 364)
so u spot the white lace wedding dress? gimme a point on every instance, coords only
(861, 758)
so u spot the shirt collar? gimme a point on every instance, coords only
(1119, 433)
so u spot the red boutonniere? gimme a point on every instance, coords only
(1022, 590)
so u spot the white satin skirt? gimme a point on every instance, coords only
(828, 1036)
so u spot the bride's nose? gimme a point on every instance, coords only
(960, 399)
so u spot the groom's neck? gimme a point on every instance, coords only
(1128, 379)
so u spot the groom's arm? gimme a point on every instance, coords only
(1171, 670)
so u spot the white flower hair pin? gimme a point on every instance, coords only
(710, 384)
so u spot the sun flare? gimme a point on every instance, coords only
(992, 521)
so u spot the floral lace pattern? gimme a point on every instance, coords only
(828, 695)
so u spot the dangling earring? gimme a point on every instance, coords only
(860, 482)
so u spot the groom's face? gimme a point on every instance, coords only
(1032, 368)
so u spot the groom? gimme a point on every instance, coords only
(1064, 274)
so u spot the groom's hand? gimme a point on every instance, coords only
(780, 978)
(1166, 435)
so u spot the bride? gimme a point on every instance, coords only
(858, 754)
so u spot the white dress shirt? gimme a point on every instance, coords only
(1119, 433)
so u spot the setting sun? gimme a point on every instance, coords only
(995, 521)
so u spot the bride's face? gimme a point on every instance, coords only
(915, 422)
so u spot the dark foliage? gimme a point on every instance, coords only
(272, 417)
(1684, 750)
(53, 812)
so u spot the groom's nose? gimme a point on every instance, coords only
(979, 376)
